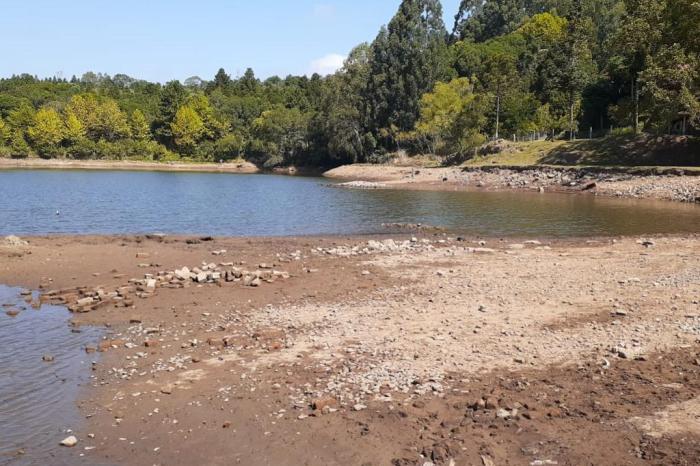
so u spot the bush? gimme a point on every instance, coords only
(118, 150)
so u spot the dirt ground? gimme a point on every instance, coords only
(390, 350)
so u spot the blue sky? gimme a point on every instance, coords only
(161, 40)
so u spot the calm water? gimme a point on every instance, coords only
(37, 398)
(267, 205)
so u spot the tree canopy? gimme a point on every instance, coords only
(507, 67)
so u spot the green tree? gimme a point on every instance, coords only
(74, 129)
(479, 20)
(4, 132)
(111, 123)
(407, 58)
(172, 96)
(280, 135)
(47, 131)
(339, 121)
(452, 118)
(187, 129)
(638, 37)
(500, 78)
(139, 126)
(670, 81)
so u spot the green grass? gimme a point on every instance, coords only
(612, 151)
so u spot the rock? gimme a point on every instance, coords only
(201, 277)
(183, 274)
(47, 358)
(12, 312)
(151, 283)
(322, 403)
(69, 441)
(14, 241)
(503, 414)
(167, 389)
(490, 403)
(85, 301)
(359, 407)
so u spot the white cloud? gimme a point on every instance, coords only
(327, 64)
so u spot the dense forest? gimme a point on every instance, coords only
(507, 67)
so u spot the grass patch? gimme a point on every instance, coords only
(610, 151)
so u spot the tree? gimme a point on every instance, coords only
(47, 130)
(452, 118)
(280, 135)
(172, 96)
(407, 58)
(500, 78)
(85, 109)
(221, 79)
(4, 132)
(638, 37)
(111, 123)
(187, 128)
(74, 129)
(480, 20)
(339, 121)
(21, 118)
(670, 82)
(573, 64)
(139, 126)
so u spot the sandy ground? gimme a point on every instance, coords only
(545, 179)
(34, 163)
(378, 351)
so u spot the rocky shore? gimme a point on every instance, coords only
(415, 349)
(671, 185)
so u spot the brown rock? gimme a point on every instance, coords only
(322, 403)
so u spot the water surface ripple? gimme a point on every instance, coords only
(34, 202)
(38, 398)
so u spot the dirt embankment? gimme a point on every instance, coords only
(672, 185)
(369, 351)
(34, 163)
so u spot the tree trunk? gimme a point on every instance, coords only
(635, 91)
(498, 113)
(571, 120)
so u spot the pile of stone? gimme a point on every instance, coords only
(361, 185)
(212, 273)
(83, 299)
(377, 247)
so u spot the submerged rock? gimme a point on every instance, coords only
(69, 441)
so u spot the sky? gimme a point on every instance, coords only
(161, 40)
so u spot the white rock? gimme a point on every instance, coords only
(69, 441)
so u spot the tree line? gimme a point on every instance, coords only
(505, 67)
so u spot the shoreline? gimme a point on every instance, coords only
(379, 349)
(636, 183)
(126, 165)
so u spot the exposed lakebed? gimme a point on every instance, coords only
(37, 202)
(43, 365)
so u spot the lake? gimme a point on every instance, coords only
(38, 202)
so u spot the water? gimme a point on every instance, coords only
(97, 202)
(37, 398)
